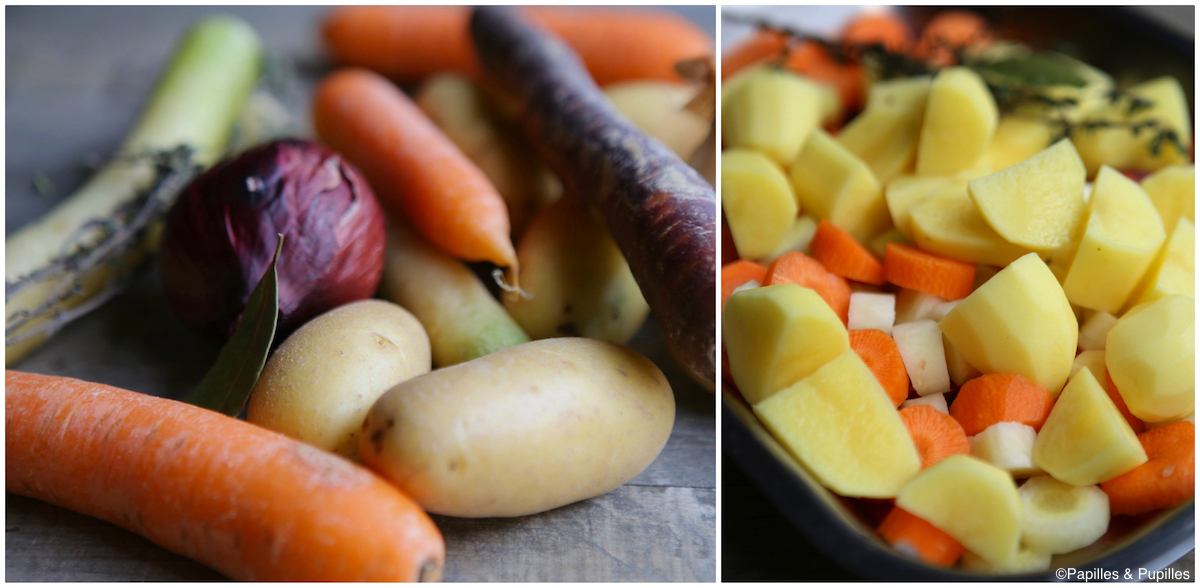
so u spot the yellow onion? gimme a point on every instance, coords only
(222, 231)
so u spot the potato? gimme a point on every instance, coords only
(772, 111)
(885, 135)
(658, 108)
(523, 430)
(320, 383)
(833, 183)
(759, 204)
(960, 118)
(579, 283)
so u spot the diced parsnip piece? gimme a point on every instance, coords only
(885, 134)
(841, 425)
(1026, 561)
(832, 183)
(1037, 203)
(1092, 360)
(949, 224)
(1060, 518)
(1172, 189)
(777, 335)
(1123, 234)
(920, 344)
(758, 201)
(937, 401)
(1094, 331)
(1019, 322)
(960, 118)
(798, 238)
(773, 111)
(1008, 446)
(1151, 357)
(1085, 440)
(1118, 146)
(1173, 270)
(970, 500)
(872, 311)
(912, 305)
(1016, 139)
(657, 108)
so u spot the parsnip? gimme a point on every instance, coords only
(61, 261)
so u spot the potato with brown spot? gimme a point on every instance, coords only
(320, 383)
(523, 430)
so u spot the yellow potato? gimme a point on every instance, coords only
(320, 383)
(578, 282)
(523, 430)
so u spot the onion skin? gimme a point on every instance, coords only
(222, 231)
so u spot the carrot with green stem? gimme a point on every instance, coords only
(415, 170)
(250, 503)
(661, 212)
(412, 42)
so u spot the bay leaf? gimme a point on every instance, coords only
(227, 386)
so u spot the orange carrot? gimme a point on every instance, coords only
(412, 42)
(761, 45)
(415, 170)
(797, 268)
(1167, 479)
(915, 536)
(999, 398)
(843, 256)
(948, 32)
(879, 28)
(247, 502)
(738, 273)
(1111, 388)
(879, 351)
(812, 60)
(936, 434)
(909, 267)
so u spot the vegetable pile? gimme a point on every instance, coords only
(514, 251)
(959, 277)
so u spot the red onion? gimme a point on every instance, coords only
(221, 234)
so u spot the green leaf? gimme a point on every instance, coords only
(228, 384)
(1039, 69)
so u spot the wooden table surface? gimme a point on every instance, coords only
(75, 80)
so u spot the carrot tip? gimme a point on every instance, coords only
(513, 288)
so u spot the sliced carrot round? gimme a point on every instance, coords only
(879, 351)
(909, 533)
(797, 268)
(1168, 479)
(740, 273)
(936, 434)
(1000, 398)
(843, 256)
(909, 267)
